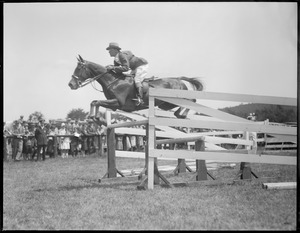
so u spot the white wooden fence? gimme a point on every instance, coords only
(219, 121)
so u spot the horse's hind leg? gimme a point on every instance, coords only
(182, 115)
(184, 111)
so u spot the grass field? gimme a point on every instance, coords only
(64, 194)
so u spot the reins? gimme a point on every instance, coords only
(92, 81)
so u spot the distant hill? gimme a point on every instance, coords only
(275, 113)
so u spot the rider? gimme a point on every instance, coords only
(125, 61)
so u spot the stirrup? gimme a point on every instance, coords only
(139, 101)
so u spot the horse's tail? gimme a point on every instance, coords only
(197, 82)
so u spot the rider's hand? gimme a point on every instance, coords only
(109, 68)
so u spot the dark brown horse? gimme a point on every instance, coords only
(120, 89)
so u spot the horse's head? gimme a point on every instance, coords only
(84, 73)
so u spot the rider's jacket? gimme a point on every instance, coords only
(125, 60)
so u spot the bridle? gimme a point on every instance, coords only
(87, 81)
(91, 80)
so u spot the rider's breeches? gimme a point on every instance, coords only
(140, 74)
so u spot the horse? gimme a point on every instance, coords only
(120, 91)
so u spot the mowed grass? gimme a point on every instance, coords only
(64, 194)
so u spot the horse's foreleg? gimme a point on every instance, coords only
(92, 108)
(112, 104)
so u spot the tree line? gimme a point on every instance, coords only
(275, 113)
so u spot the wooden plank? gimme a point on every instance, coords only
(214, 140)
(238, 151)
(111, 155)
(282, 138)
(218, 140)
(128, 124)
(170, 114)
(250, 127)
(130, 154)
(281, 152)
(167, 132)
(151, 146)
(203, 118)
(280, 185)
(228, 157)
(135, 115)
(217, 133)
(203, 109)
(210, 146)
(223, 96)
(130, 131)
(280, 146)
(141, 132)
(179, 140)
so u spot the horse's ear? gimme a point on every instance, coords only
(81, 59)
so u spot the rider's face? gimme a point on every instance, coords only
(113, 52)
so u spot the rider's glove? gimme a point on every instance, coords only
(110, 67)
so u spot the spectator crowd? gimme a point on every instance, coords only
(37, 140)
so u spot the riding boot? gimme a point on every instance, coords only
(139, 95)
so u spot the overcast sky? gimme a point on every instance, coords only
(236, 47)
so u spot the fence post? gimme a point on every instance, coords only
(151, 144)
(181, 166)
(200, 164)
(111, 153)
(100, 146)
(245, 169)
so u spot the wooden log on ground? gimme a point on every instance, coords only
(280, 185)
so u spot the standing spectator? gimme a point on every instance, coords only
(6, 133)
(71, 127)
(21, 119)
(68, 125)
(75, 143)
(31, 148)
(18, 133)
(26, 142)
(64, 145)
(41, 138)
(76, 124)
(83, 132)
(91, 132)
(51, 141)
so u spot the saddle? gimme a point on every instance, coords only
(150, 79)
(124, 76)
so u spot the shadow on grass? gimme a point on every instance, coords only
(94, 185)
